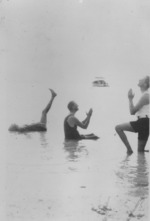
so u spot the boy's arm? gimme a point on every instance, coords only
(74, 121)
(85, 124)
(88, 115)
(84, 121)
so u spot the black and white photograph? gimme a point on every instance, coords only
(74, 94)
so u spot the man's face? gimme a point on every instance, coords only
(142, 82)
(75, 107)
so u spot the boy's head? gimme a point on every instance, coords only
(144, 82)
(72, 106)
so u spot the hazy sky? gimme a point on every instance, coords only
(58, 40)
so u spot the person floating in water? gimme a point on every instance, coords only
(141, 125)
(71, 123)
(40, 126)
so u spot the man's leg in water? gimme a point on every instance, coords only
(120, 130)
(47, 108)
(141, 146)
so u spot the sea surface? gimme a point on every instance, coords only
(45, 178)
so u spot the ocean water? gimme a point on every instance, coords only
(66, 45)
(45, 178)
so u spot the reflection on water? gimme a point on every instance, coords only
(43, 139)
(140, 177)
(72, 177)
(46, 152)
(133, 175)
(74, 149)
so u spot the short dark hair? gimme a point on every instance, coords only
(147, 81)
(70, 105)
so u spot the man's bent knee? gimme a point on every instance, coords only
(117, 128)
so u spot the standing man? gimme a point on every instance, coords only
(71, 123)
(141, 125)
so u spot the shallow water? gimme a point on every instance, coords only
(86, 180)
(47, 178)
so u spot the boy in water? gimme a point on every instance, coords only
(71, 123)
(40, 126)
(141, 125)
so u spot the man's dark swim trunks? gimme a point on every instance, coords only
(141, 126)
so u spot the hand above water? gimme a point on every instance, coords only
(90, 112)
(130, 94)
